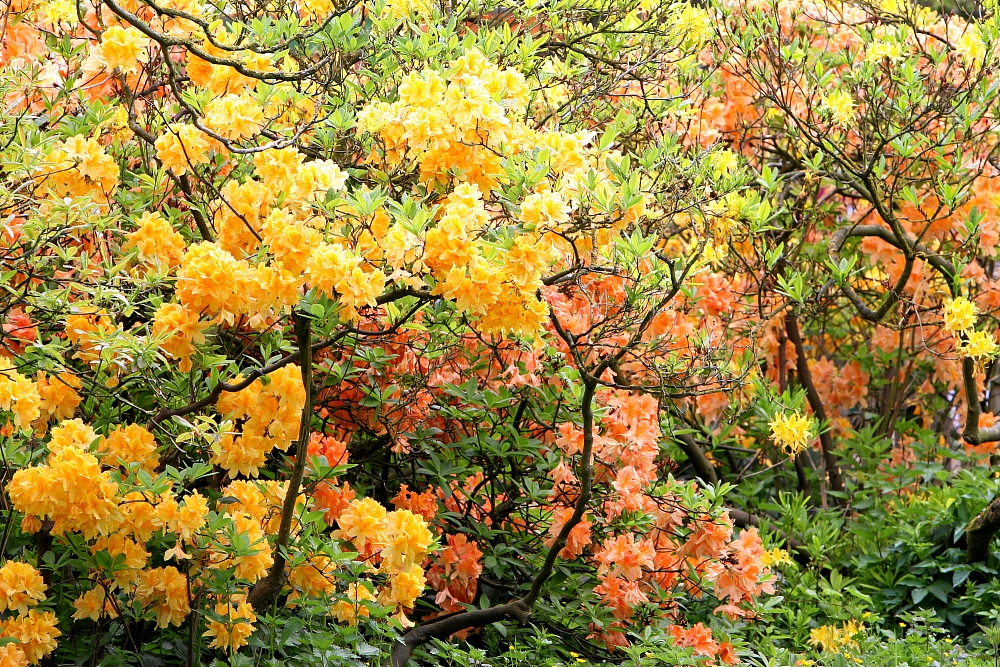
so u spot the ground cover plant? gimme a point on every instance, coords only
(484, 333)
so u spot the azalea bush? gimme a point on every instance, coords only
(417, 333)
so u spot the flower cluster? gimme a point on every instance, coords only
(18, 395)
(70, 489)
(397, 541)
(269, 415)
(80, 167)
(960, 317)
(791, 431)
(833, 638)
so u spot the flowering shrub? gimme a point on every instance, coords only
(337, 313)
(347, 330)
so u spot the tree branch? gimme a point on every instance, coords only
(265, 592)
(815, 402)
(702, 466)
(519, 609)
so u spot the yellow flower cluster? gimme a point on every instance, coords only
(164, 591)
(213, 282)
(791, 431)
(130, 444)
(11, 655)
(123, 48)
(70, 488)
(352, 604)
(840, 105)
(314, 578)
(183, 145)
(406, 8)
(833, 639)
(269, 415)
(398, 539)
(183, 330)
(185, 518)
(35, 633)
(223, 80)
(232, 633)
(93, 604)
(971, 46)
(259, 499)
(959, 315)
(454, 129)
(978, 345)
(499, 289)
(79, 167)
(59, 395)
(84, 328)
(775, 556)
(18, 395)
(156, 241)
(249, 567)
(281, 173)
(21, 586)
(218, 280)
(336, 271)
(234, 117)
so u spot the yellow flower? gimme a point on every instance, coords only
(11, 655)
(691, 23)
(277, 168)
(840, 105)
(723, 162)
(337, 271)
(130, 444)
(71, 490)
(59, 395)
(406, 540)
(404, 8)
(208, 280)
(234, 117)
(156, 240)
(35, 631)
(978, 345)
(183, 330)
(775, 557)
(18, 394)
(124, 48)
(191, 516)
(959, 314)
(833, 639)
(544, 208)
(93, 604)
(880, 49)
(183, 145)
(971, 46)
(791, 431)
(72, 433)
(164, 591)
(348, 610)
(79, 167)
(404, 588)
(21, 586)
(290, 241)
(232, 633)
(364, 524)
